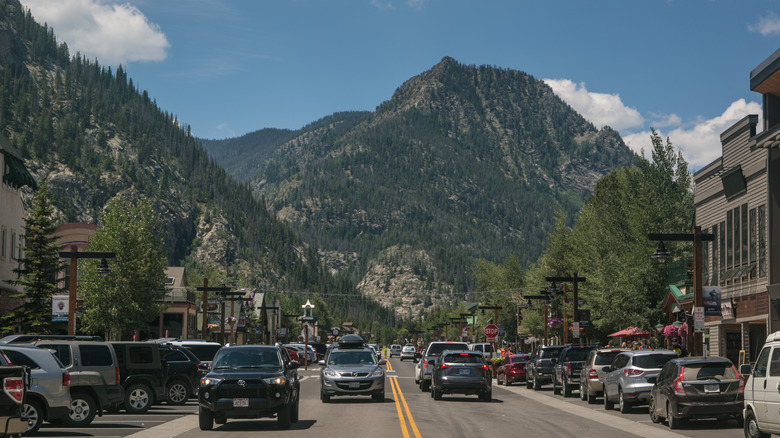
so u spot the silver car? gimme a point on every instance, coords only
(49, 395)
(631, 376)
(408, 352)
(351, 369)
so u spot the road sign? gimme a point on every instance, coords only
(698, 319)
(491, 332)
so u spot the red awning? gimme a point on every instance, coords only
(631, 331)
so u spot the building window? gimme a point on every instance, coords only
(722, 249)
(753, 247)
(3, 242)
(13, 246)
(762, 241)
(729, 239)
(744, 240)
(715, 246)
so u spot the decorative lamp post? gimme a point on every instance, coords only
(306, 319)
(74, 255)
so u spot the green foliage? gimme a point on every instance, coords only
(132, 294)
(38, 269)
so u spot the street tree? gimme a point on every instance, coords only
(39, 266)
(131, 295)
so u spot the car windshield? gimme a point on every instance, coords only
(464, 358)
(576, 354)
(351, 358)
(549, 353)
(519, 358)
(605, 358)
(247, 358)
(707, 371)
(652, 360)
(436, 349)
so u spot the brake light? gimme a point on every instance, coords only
(14, 387)
(568, 369)
(593, 374)
(741, 379)
(631, 372)
(65, 378)
(677, 385)
(116, 372)
(444, 366)
(425, 364)
(484, 367)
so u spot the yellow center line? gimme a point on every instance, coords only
(406, 408)
(398, 409)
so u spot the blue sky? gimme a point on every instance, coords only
(228, 67)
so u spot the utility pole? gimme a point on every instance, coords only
(575, 280)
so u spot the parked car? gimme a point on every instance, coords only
(142, 373)
(250, 381)
(310, 355)
(592, 373)
(202, 349)
(182, 369)
(48, 398)
(94, 377)
(293, 352)
(377, 350)
(408, 352)
(424, 368)
(631, 376)
(761, 391)
(461, 372)
(513, 370)
(351, 368)
(486, 349)
(539, 369)
(697, 387)
(566, 372)
(14, 380)
(320, 348)
(395, 350)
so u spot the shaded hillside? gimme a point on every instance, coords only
(462, 162)
(91, 134)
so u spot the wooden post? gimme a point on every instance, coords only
(74, 269)
(205, 306)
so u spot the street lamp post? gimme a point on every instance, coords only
(575, 318)
(696, 236)
(205, 304)
(74, 255)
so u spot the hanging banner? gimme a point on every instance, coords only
(59, 308)
(711, 300)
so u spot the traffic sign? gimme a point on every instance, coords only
(491, 332)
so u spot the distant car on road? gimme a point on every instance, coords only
(513, 370)
(395, 350)
(408, 352)
(539, 369)
(461, 372)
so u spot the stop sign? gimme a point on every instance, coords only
(491, 332)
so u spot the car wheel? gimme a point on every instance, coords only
(284, 417)
(138, 399)
(295, 409)
(82, 410)
(436, 395)
(608, 405)
(653, 414)
(673, 423)
(220, 419)
(34, 413)
(425, 385)
(177, 393)
(556, 389)
(751, 426)
(529, 383)
(740, 421)
(537, 384)
(565, 388)
(498, 379)
(324, 397)
(205, 419)
(592, 400)
(583, 394)
(486, 396)
(506, 381)
(623, 404)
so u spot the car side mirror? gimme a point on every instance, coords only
(607, 369)
(321, 363)
(293, 365)
(203, 366)
(745, 369)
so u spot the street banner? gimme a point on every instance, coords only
(711, 300)
(59, 308)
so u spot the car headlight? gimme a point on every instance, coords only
(377, 373)
(206, 381)
(275, 380)
(330, 373)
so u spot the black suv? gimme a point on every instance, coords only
(183, 373)
(566, 372)
(539, 369)
(250, 381)
(142, 373)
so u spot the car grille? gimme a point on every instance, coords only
(364, 384)
(231, 389)
(351, 374)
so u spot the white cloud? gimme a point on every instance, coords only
(112, 33)
(766, 26)
(699, 141)
(599, 108)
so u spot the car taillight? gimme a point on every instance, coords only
(632, 372)
(65, 378)
(677, 385)
(14, 387)
(484, 367)
(425, 364)
(568, 369)
(444, 366)
(741, 379)
(593, 374)
(116, 373)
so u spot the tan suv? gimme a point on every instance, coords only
(592, 374)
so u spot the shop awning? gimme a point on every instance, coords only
(629, 332)
(15, 173)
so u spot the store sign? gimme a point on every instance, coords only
(698, 319)
(59, 308)
(726, 310)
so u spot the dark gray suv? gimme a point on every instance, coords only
(539, 369)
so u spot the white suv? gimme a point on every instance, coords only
(395, 350)
(761, 391)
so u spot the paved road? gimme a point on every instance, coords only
(410, 413)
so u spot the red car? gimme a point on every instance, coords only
(513, 370)
(293, 354)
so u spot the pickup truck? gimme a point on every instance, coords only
(15, 380)
(567, 370)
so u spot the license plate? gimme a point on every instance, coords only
(240, 402)
(464, 372)
(711, 388)
(354, 385)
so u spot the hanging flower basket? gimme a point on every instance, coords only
(554, 323)
(671, 331)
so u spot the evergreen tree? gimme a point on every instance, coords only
(38, 269)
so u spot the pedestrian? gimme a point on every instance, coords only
(678, 348)
(643, 345)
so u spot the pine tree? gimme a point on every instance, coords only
(38, 269)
